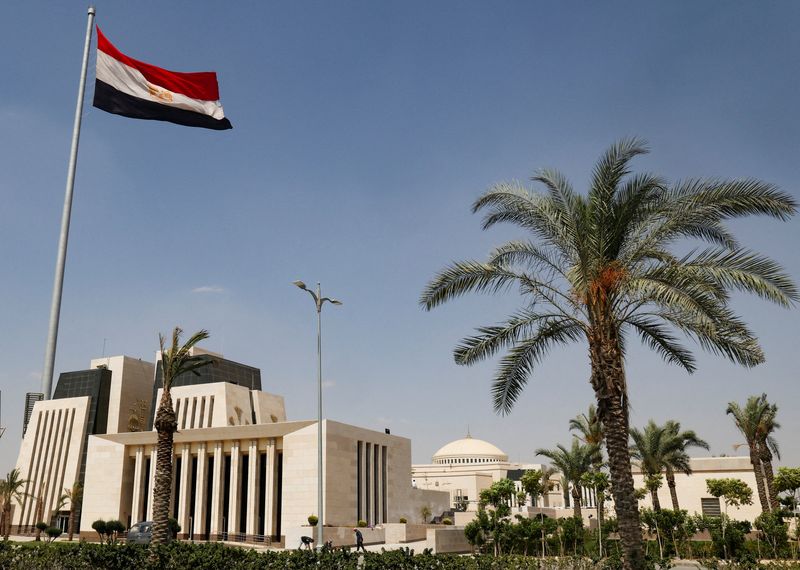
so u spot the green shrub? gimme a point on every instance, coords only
(313, 520)
(447, 521)
(403, 520)
(53, 532)
(362, 523)
(100, 527)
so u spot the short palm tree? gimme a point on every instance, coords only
(589, 430)
(175, 360)
(11, 491)
(677, 458)
(756, 421)
(600, 266)
(767, 447)
(74, 497)
(572, 463)
(662, 449)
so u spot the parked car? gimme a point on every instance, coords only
(141, 533)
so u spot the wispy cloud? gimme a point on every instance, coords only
(208, 289)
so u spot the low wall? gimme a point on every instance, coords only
(339, 535)
(451, 539)
(398, 533)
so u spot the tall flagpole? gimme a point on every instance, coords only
(58, 283)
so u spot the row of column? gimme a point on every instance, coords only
(372, 487)
(220, 522)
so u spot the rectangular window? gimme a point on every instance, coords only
(710, 506)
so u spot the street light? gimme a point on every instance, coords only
(319, 300)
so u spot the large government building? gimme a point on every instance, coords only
(465, 467)
(242, 471)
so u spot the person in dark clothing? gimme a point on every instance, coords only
(359, 540)
(306, 541)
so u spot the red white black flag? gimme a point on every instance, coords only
(132, 88)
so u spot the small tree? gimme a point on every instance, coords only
(75, 498)
(53, 532)
(787, 481)
(41, 526)
(734, 492)
(113, 529)
(100, 528)
(425, 513)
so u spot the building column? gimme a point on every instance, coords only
(269, 490)
(362, 475)
(199, 521)
(252, 489)
(379, 485)
(137, 502)
(370, 467)
(235, 489)
(184, 500)
(216, 491)
(151, 485)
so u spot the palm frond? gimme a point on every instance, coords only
(516, 367)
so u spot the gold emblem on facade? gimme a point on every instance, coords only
(159, 93)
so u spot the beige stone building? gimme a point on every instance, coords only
(465, 467)
(242, 471)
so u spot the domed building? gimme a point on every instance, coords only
(464, 468)
(469, 451)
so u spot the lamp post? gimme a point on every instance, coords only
(319, 300)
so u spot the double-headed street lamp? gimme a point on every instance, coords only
(319, 300)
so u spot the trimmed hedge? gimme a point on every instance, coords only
(213, 556)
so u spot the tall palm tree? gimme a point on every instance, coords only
(599, 266)
(677, 458)
(11, 491)
(590, 431)
(175, 360)
(756, 421)
(648, 450)
(74, 497)
(572, 463)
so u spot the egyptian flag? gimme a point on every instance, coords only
(135, 89)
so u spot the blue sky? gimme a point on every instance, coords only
(362, 133)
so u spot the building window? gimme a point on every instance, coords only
(710, 506)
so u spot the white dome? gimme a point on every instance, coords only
(469, 451)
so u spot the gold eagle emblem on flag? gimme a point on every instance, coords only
(159, 93)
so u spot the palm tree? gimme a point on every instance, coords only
(11, 490)
(600, 267)
(676, 458)
(176, 360)
(75, 498)
(767, 447)
(547, 475)
(663, 449)
(754, 421)
(572, 463)
(590, 431)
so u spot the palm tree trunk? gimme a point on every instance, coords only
(166, 425)
(769, 475)
(608, 382)
(654, 498)
(673, 492)
(71, 523)
(755, 460)
(576, 501)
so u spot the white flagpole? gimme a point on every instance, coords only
(58, 284)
